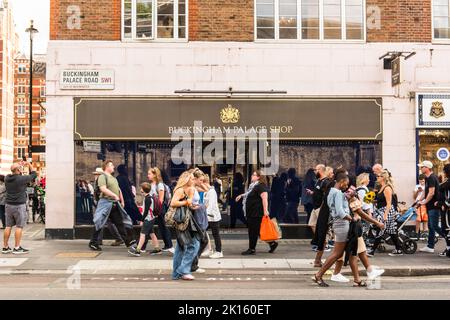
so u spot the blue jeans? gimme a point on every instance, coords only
(182, 259)
(433, 224)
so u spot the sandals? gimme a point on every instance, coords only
(317, 265)
(360, 284)
(320, 282)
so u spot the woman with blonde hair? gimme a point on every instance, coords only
(387, 212)
(188, 241)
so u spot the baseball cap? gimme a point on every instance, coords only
(426, 164)
(98, 171)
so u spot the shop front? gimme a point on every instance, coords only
(433, 129)
(222, 136)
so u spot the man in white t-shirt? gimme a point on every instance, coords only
(422, 216)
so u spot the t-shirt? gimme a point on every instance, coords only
(432, 182)
(16, 188)
(420, 194)
(254, 206)
(111, 183)
(157, 188)
(147, 213)
(362, 191)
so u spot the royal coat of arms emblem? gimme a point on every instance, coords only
(437, 110)
(229, 114)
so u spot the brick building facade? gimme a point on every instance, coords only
(321, 53)
(220, 20)
(21, 107)
(8, 51)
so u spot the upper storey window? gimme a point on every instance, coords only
(310, 19)
(441, 19)
(154, 19)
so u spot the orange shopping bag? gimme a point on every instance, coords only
(268, 231)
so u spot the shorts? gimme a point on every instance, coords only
(313, 219)
(361, 248)
(422, 215)
(341, 231)
(147, 227)
(16, 215)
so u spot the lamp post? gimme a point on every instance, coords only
(32, 31)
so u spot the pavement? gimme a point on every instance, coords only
(293, 258)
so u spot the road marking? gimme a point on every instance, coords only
(12, 262)
(166, 264)
(77, 255)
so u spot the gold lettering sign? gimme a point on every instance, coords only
(437, 110)
(229, 114)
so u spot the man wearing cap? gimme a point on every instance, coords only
(431, 202)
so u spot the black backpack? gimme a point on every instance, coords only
(97, 191)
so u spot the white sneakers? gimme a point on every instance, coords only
(376, 272)
(427, 249)
(206, 253)
(339, 278)
(216, 255)
(171, 250)
(200, 270)
(188, 277)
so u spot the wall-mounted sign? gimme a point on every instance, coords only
(292, 119)
(87, 79)
(432, 110)
(443, 154)
(92, 146)
(395, 68)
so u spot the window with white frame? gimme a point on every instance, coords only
(21, 89)
(441, 19)
(22, 68)
(310, 19)
(154, 19)
(21, 130)
(21, 152)
(21, 109)
(42, 91)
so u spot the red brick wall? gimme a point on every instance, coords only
(100, 20)
(233, 20)
(221, 20)
(402, 21)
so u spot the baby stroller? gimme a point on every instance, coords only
(409, 245)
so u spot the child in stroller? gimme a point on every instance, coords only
(409, 245)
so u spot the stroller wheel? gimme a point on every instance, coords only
(409, 246)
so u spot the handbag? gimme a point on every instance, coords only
(182, 217)
(268, 231)
(177, 217)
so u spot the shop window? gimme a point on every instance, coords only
(441, 19)
(154, 19)
(310, 19)
(430, 141)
